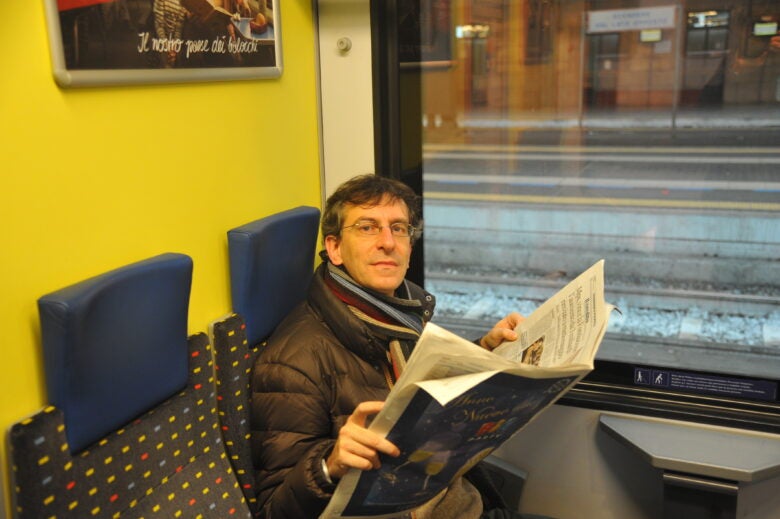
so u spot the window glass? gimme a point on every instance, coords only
(556, 133)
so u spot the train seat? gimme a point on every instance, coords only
(271, 264)
(131, 428)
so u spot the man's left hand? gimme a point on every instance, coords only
(504, 330)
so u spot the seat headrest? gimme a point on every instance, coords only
(116, 345)
(271, 264)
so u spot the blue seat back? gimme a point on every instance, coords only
(116, 344)
(271, 264)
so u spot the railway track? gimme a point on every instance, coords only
(731, 358)
(671, 327)
(741, 357)
(539, 289)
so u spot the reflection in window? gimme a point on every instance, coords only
(565, 132)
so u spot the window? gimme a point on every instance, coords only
(646, 135)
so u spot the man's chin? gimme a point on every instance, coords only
(386, 286)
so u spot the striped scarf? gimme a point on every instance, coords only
(399, 320)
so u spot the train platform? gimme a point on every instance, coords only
(710, 118)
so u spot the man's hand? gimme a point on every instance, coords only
(504, 330)
(356, 446)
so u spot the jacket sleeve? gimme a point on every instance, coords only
(291, 433)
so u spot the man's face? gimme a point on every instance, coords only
(377, 262)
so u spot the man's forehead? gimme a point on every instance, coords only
(384, 204)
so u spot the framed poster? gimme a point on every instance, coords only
(120, 42)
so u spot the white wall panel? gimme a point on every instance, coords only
(346, 91)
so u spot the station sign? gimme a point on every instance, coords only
(617, 20)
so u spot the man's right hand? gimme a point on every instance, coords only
(356, 446)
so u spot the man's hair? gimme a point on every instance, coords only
(366, 191)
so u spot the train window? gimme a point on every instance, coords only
(545, 135)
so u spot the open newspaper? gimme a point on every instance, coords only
(455, 402)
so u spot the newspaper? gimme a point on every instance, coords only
(456, 402)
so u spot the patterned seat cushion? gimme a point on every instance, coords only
(169, 462)
(234, 358)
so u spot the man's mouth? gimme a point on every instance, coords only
(385, 264)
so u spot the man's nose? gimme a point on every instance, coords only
(385, 237)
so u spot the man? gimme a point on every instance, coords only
(330, 364)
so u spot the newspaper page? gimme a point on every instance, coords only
(566, 327)
(456, 402)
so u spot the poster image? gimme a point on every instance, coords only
(114, 42)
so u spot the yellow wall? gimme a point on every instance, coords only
(93, 179)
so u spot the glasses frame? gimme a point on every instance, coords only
(413, 231)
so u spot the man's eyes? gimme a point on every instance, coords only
(372, 228)
(368, 227)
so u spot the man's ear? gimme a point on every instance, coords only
(332, 246)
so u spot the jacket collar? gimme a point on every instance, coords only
(353, 333)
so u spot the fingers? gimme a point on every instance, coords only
(363, 411)
(503, 331)
(495, 337)
(363, 436)
(356, 446)
(511, 320)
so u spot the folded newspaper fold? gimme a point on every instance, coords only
(456, 402)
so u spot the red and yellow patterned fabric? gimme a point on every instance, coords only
(169, 462)
(234, 359)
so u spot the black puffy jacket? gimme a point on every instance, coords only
(318, 365)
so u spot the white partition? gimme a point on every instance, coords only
(346, 90)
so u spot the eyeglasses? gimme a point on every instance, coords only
(371, 228)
